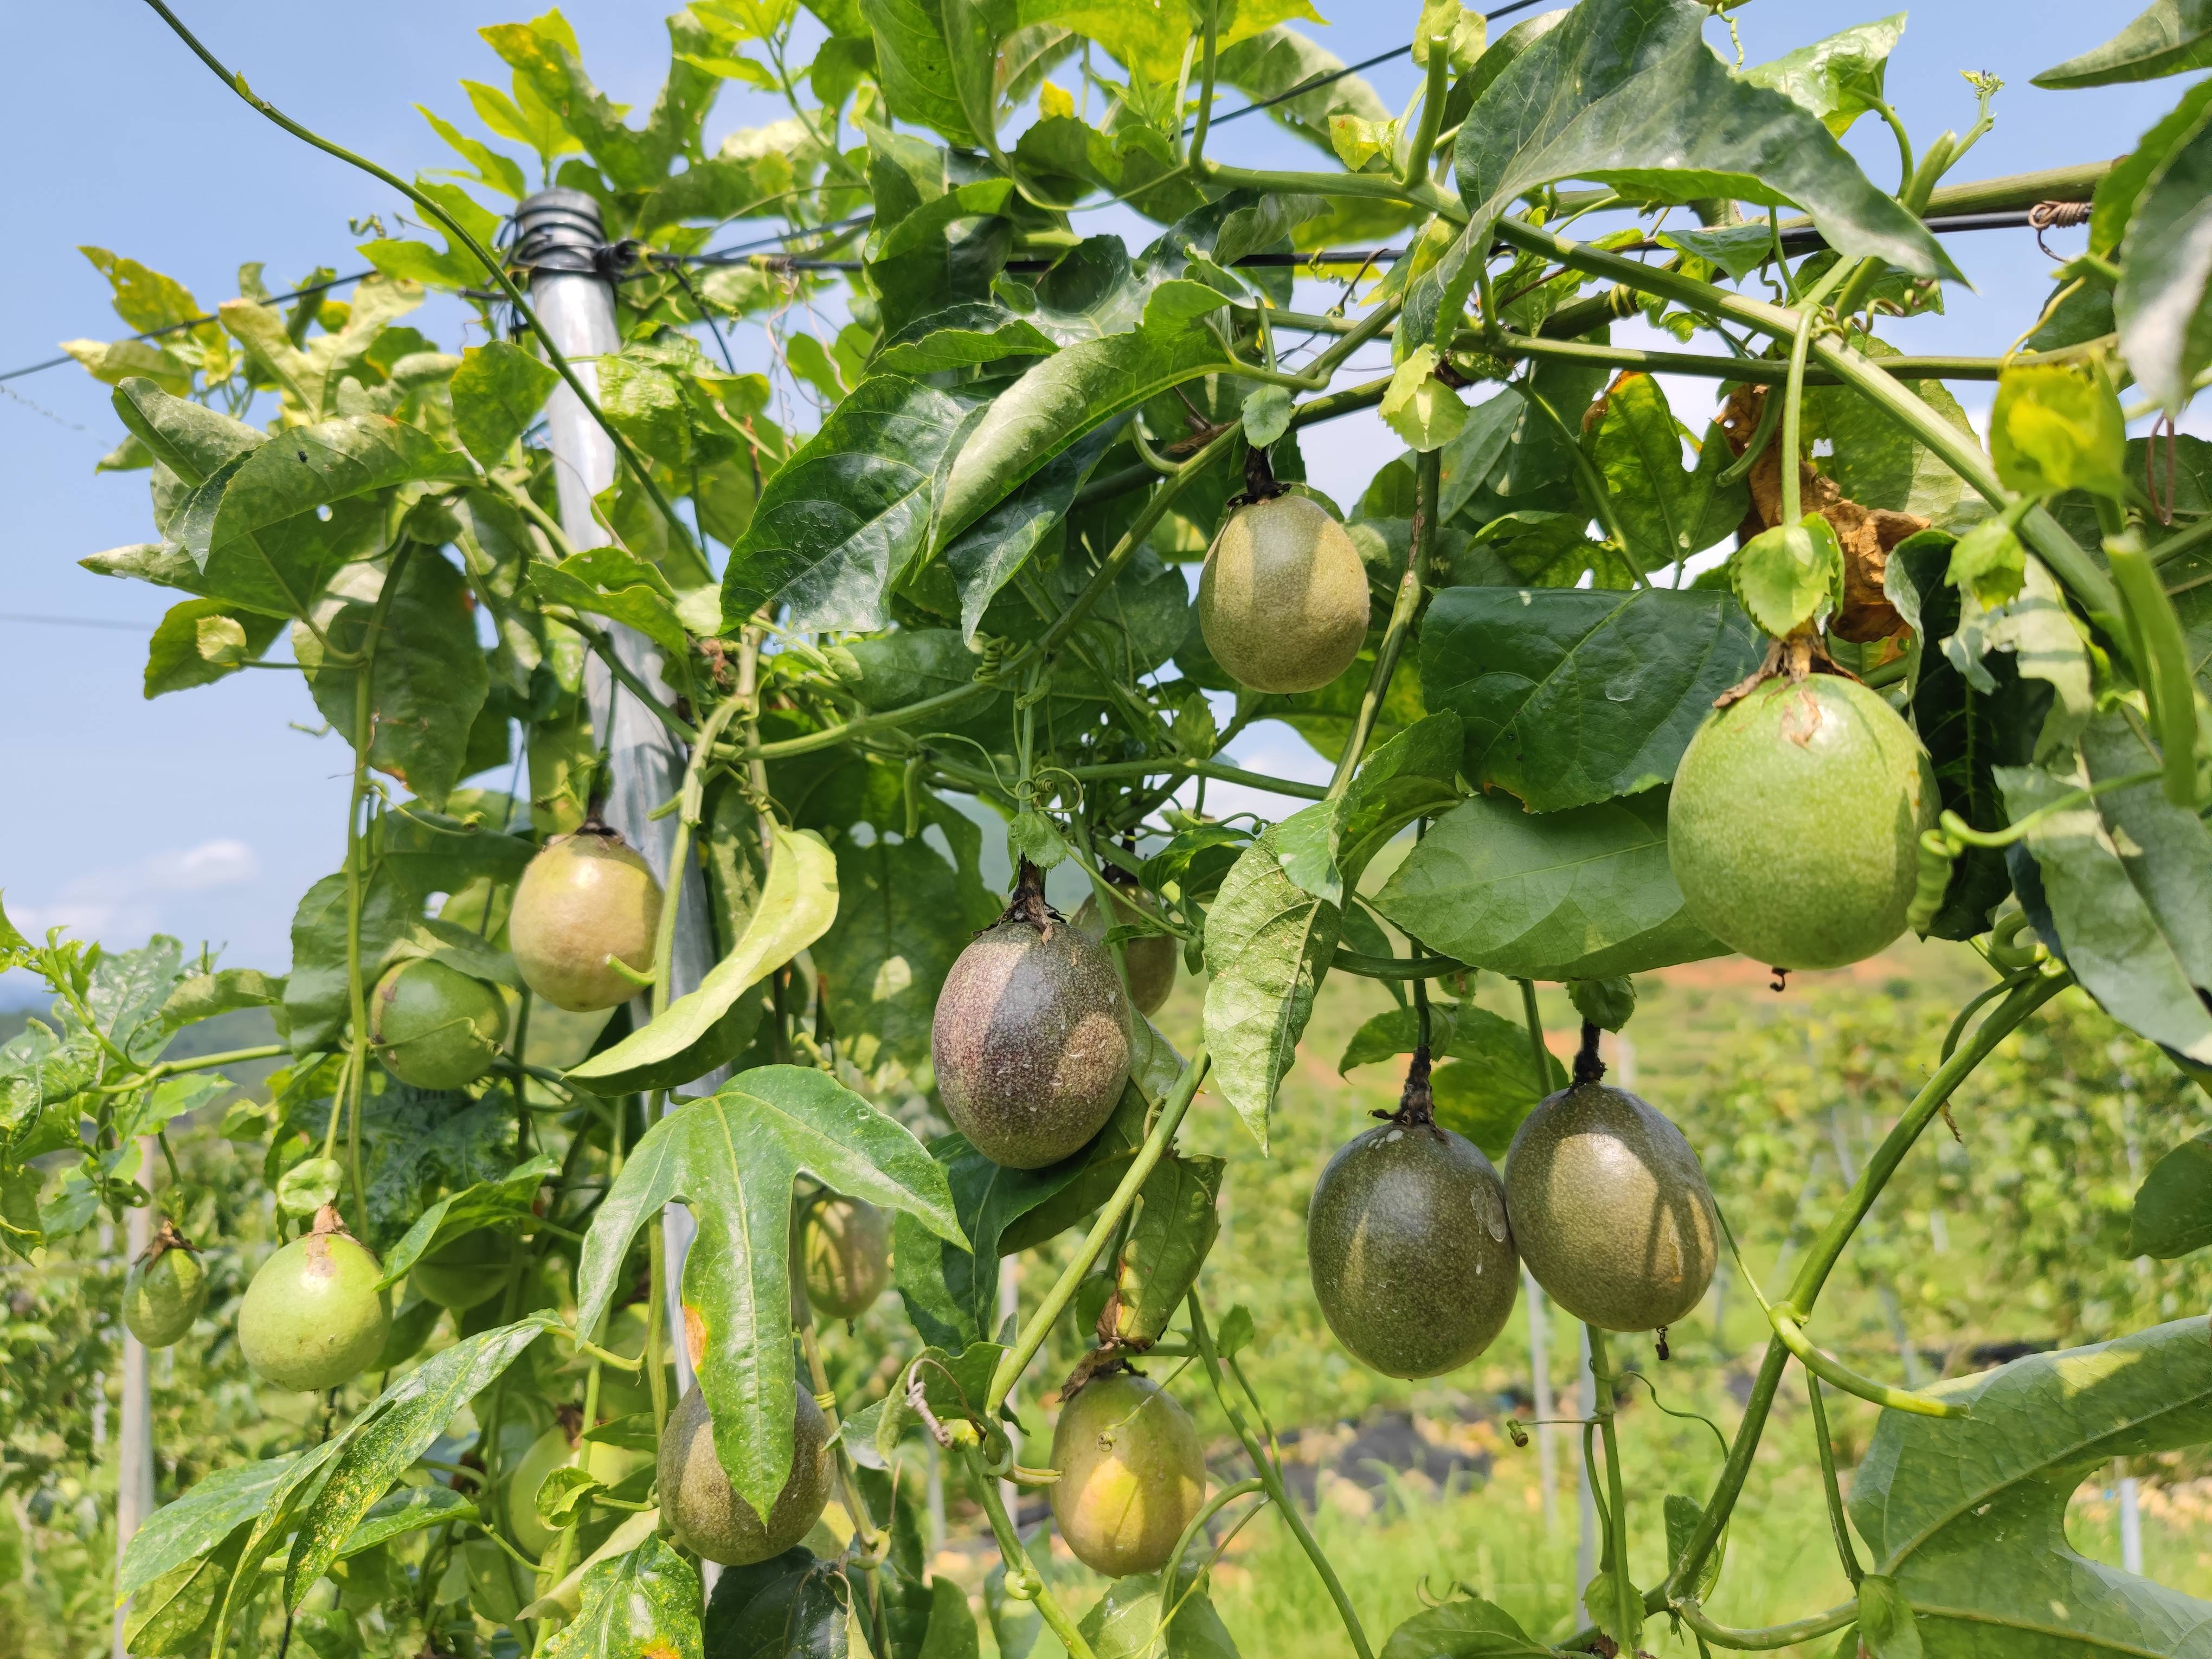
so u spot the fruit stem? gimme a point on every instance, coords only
(1428, 473)
(1272, 1478)
(1845, 1553)
(1017, 1360)
(1589, 1068)
(1417, 1103)
(1628, 1602)
(1019, 1568)
(1540, 1052)
(1028, 903)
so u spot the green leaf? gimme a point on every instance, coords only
(503, 1204)
(2057, 426)
(791, 1607)
(1968, 1515)
(2114, 202)
(1175, 1225)
(203, 996)
(1463, 1628)
(190, 438)
(1887, 1629)
(796, 906)
(1989, 563)
(203, 640)
(1606, 1002)
(1324, 848)
(1627, 93)
(1666, 511)
(920, 266)
(1420, 407)
(427, 682)
(2045, 644)
(952, 1294)
(406, 1510)
(1838, 79)
(1569, 696)
(1787, 574)
(840, 520)
(1397, 1031)
(951, 1632)
(732, 1157)
(1275, 59)
(2160, 302)
(1584, 893)
(968, 332)
(901, 925)
(984, 557)
(309, 1185)
(497, 392)
(2171, 37)
(2172, 1213)
(608, 582)
(1683, 1514)
(316, 998)
(1266, 414)
(915, 62)
(1125, 1623)
(1074, 392)
(1492, 1083)
(644, 1605)
(1739, 250)
(217, 1505)
(2123, 875)
(1877, 462)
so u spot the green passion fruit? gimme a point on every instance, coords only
(165, 1289)
(1149, 961)
(463, 1271)
(434, 1027)
(1794, 823)
(1282, 598)
(1031, 1036)
(702, 1506)
(551, 1450)
(312, 1317)
(584, 898)
(1610, 1207)
(844, 1254)
(1132, 1473)
(1411, 1257)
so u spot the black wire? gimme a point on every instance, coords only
(194, 322)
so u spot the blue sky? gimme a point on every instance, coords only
(203, 814)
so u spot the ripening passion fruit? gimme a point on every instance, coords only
(1132, 1473)
(702, 1507)
(1609, 1206)
(464, 1271)
(1031, 1034)
(165, 1289)
(1793, 829)
(585, 897)
(1148, 961)
(845, 1253)
(1407, 1239)
(312, 1317)
(434, 1027)
(1282, 598)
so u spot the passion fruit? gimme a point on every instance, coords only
(464, 1271)
(702, 1506)
(1407, 1239)
(434, 1027)
(585, 897)
(1031, 1034)
(1793, 829)
(1282, 598)
(1132, 1473)
(1609, 1206)
(165, 1290)
(1148, 961)
(845, 1253)
(551, 1450)
(312, 1317)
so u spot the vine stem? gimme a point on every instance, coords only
(848, 1479)
(1017, 1559)
(1032, 1336)
(1427, 472)
(1838, 1526)
(1201, 769)
(1628, 1602)
(1829, 1248)
(453, 228)
(1272, 1478)
(1767, 1638)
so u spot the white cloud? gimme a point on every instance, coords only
(125, 901)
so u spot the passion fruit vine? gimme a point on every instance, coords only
(312, 1317)
(1609, 1205)
(435, 1027)
(1794, 828)
(709, 1517)
(1407, 1241)
(1282, 598)
(1132, 1473)
(165, 1289)
(585, 898)
(1031, 1036)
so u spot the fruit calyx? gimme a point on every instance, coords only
(167, 1237)
(1801, 655)
(1259, 482)
(1589, 1068)
(1028, 904)
(1416, 1101)
(329, 1223)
